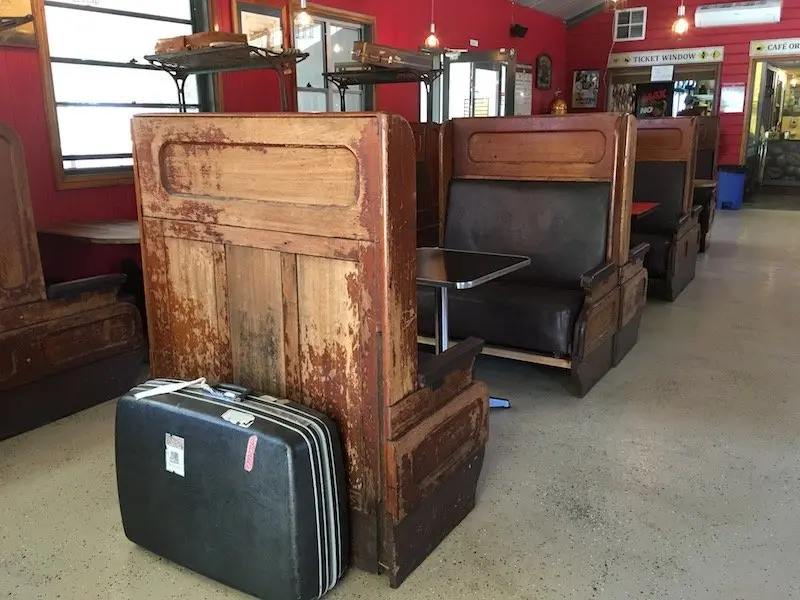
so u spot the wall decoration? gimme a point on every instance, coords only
(523, 90)
(585, 88)
(263, 25)
(544, 72)
(622, 98)
(654, 100)
(15, 29)
(732, 99)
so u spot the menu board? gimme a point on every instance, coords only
(654, 100)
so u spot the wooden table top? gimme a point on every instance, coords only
(119, 231)
(705, 183)
(639, 209)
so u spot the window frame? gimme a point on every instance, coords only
(115, 176)
(616, 24)
(367, 23)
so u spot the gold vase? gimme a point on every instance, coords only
(558, 106)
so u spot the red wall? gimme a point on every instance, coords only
(405, 25)
(589, 43)
(22, 106)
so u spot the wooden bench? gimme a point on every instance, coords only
(277, 256)
(558, 190)
(665, 167)
(426, 139)
(706, 164)
(63, 347)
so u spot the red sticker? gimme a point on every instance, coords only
(251, 453)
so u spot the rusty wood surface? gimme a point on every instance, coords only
(277, 255)
(31, 353)
(21, 279)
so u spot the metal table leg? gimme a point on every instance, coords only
(443, 341)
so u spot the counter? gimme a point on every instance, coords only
(782, 162)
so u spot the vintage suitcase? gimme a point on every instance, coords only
(246, 490)
(386, 56)
(197, 41)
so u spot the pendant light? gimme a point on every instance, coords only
(681, 24)
(432, 41)
(303, 19)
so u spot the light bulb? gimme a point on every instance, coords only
(432, 41)
(303, 19)
(680, 26)
(793, 82)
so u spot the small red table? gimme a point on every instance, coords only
(640, 209)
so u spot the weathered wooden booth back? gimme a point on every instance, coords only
(279, 254)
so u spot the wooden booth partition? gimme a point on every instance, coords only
(426, 138)
(64, 346)
(277, 256)
(558, 190)
(665, 172)
(705, 176)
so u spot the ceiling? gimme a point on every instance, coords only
(564, 9)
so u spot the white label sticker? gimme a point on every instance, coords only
(238, 417)
(174, 455)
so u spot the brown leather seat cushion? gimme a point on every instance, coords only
(511, 314)
(656, 259)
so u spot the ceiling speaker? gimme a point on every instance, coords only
(518, 30)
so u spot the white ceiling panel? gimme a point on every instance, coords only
(563, 9)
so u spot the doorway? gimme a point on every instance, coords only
(473, 84)
(771, 137)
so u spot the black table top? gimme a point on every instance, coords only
(461, 269)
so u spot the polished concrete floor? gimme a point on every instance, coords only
(677, 477)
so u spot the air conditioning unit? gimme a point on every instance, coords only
(738, 13)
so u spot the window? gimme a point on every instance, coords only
(630, 24)
(329, 42)
(99, 79)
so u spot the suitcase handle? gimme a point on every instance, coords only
(237, 389)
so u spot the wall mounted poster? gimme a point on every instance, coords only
(14, 11)
(654, 100)
(585, 88)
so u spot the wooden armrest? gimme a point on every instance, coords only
(637, 253)
(73, 289)
(598, 276)
(696, 210)
(460, 356)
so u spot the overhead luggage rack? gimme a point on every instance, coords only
(218, 59)
(13, 22)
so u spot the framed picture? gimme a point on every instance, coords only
(16, 24)
(263, 24)
(585, 88)
(544, 72)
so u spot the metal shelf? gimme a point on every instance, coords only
(220, 59)
(379, 75)
(13, 22)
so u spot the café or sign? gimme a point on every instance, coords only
(677, 56)
(775, 47)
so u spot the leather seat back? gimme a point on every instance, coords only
(665, 183)
(562, 226)
(704, 167)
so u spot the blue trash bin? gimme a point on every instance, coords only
(730, 186)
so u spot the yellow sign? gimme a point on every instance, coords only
(677, 56)
(779, 47)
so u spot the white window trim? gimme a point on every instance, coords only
(615, 24)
